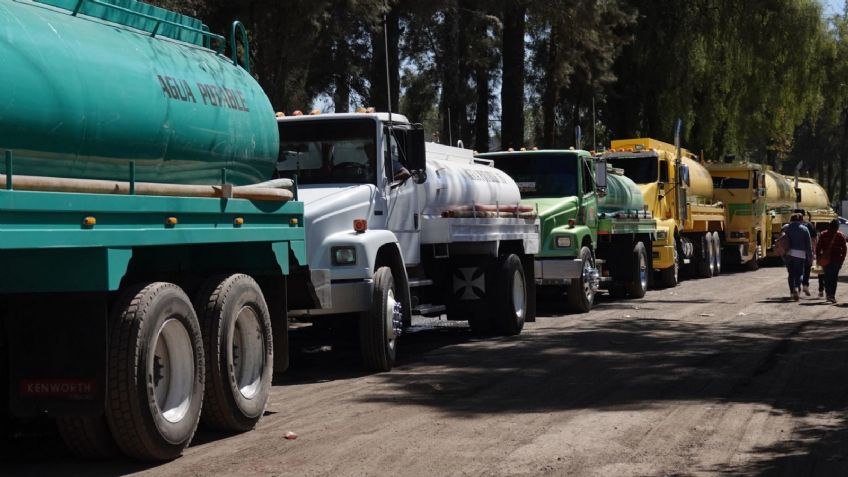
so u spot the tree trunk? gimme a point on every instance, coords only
(452, 105)
(551, 93)
(481, 125)
(843, 160)
(512, 90)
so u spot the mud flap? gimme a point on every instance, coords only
(528, 262)
(57, 354)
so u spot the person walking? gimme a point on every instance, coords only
(830, 254)
(808, 265)
(800, 250)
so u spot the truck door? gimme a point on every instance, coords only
(403, 208)
(589, 199)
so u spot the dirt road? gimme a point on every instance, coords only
(715, 377)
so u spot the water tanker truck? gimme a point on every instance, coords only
(399, 228)
(678, 191)
(595, 232)
(145, 254)
(812, 198)
(758, 202)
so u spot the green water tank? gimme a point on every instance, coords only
(82, 95)
(622, 195)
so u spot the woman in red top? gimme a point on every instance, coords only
(830, 253)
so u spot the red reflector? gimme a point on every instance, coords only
(360, 225)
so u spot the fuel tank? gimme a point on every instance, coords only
(622, 195)
(83, 95)
(456, 180)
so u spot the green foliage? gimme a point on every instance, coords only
(762, 79)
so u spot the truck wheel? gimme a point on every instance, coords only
(670, 277)
(510, 303)
(639, 285)
(717, 253)
(239, 351)
(87, 437)
(706, 260)
(380, 328)
(155, 373)
(581, 291)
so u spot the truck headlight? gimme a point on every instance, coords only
(563, 241)
(662, 234)
(343, 255)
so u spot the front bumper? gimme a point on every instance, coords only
(557, 271)
(347, 297)
(662, 256)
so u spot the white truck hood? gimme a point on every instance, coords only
(330, 209)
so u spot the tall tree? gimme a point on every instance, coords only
(514, 20)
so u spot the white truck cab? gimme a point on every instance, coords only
(397, 227)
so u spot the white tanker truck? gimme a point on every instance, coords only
(397, 228)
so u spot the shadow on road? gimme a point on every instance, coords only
(797, 369)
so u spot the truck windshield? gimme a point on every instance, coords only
(328, 152)
(640, 169)
(729, 183)
(541, 175)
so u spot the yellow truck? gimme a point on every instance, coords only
(678, 191)
(757, 203)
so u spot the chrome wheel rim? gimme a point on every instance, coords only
(519, 294)
(247, 352)
(394, 312)
(171, 370)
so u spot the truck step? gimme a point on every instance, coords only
(429, 310)
(422, 282)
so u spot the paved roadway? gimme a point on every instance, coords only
(715, 377)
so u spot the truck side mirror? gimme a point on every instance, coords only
(798, 195)
(417, 154)
(601, 177)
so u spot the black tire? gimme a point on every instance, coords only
(717, 253)
(239, 352)
(638, 286)
(88, 437)
(509, 306)
(155, 340)
(706, 259)
(580, 296)
(670, 277)
(379, 328)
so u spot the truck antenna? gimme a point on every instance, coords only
(388, 69)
